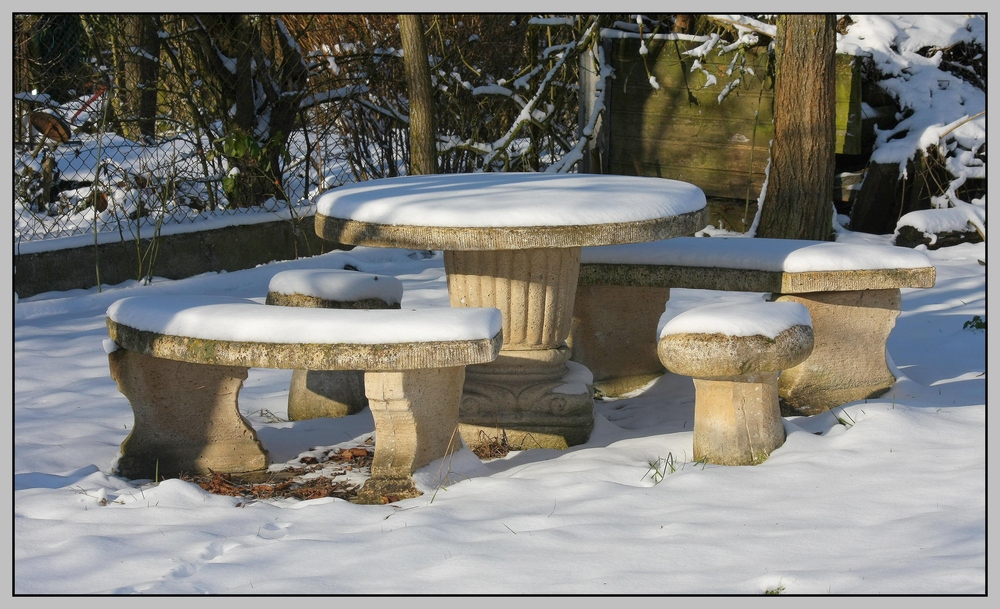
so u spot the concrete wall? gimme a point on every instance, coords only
(176, 256)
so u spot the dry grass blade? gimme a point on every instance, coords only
(492, 448)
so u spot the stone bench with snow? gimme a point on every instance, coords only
(330, 393)
(852, 292)
(181, 360)
(735, 354)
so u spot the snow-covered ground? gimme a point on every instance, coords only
(883, 496)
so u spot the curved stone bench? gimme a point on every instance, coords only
(181, 361)
(852, 292)
(330, 393)
(735, 354)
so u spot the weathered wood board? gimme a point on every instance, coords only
(848, 105)
(681, 131)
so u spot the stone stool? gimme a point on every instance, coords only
(735, 353)
(330, 393)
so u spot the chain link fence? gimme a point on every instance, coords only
(127, 124)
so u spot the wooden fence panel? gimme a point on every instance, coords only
(681, 131)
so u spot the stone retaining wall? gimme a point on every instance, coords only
(227, 249)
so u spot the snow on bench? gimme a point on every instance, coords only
(851, 291)
(330, 393)
(334, 289)
(181, 361)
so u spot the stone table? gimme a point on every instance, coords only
(512, 241)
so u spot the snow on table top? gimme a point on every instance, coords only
(337, 285)
(238, 319)
(788, 255)
(510, 200)
(761, 318)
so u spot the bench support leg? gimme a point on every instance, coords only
(737, 420)
(186, 418)
(416, 416)
(614, 334)
(315, 394)
(848, 361)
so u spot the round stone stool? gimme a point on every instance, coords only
(735, 352)
(315, 394)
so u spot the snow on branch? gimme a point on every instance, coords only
(446, 143)
(615, 34)
(552, 21)
(496, 89)
(727, 89)
(289, 39)
(527, 112)
(329, 96)
(701, 51)
(568, 160)
(743, 23)
(140, 52)
(392, 113)
(524, 81)
(746, 39)
(227, 62)
(557, 49)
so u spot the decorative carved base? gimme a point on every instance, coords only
(530, 398)
(186, 418)
(848, 361)
(315, 394)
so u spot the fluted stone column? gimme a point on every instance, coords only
(524, 394)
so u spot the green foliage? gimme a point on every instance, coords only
(976, 323)
(249, 156)
(660, 467)
(849, 421)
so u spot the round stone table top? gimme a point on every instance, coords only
(505, 211)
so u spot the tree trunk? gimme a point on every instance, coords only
(799, 199)
(149, 73)
(423, 150)
(57, 57)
